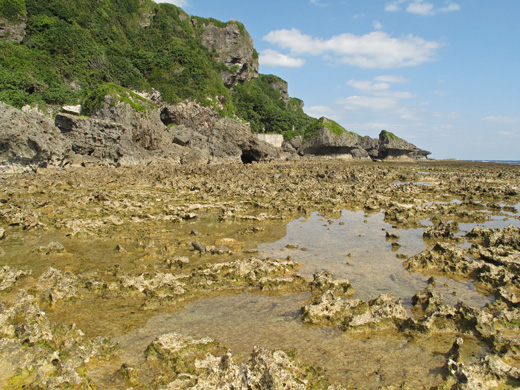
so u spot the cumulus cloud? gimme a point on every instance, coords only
(178, 3)
(378, 89)
(420, 7)
(373, 50)
(368, 86)
(450, 8)
(273, 58)
(378, 96)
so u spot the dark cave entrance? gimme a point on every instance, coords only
(248, 157)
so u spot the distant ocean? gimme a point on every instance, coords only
(514, 162)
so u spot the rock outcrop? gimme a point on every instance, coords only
(233, 47)
(119, 134)
(123, 132)
(391, 146)
(326, 143)
(29, 139)
(332, 140)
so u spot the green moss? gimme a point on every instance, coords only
(20, 380)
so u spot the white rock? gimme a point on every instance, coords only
(75, 110)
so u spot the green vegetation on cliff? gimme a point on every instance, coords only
(73, 46)
(389, 135)
(12, 9)
(75, 50)
(260, 103)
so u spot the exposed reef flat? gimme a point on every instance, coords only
(101, 268)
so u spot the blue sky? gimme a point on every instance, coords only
(442, 74)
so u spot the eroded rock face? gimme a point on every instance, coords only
(216, 139)
(394, 147)
(348, 145)
(29, 139)
(344, 146)
(234, 48)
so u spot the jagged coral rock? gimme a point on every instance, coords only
(380, 312)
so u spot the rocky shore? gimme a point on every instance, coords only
(92, 253)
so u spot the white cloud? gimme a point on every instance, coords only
(368, 86)
(378, 89)
(450, 8)
(501, 119)
(319, 3)
(273, 58)
(373, 50)
(319, 111)
(446, 115)
(370, 102)
(394, 6)
(178, 3)
(377, 25)
(421, 7)
(393, 79)
(379, 97)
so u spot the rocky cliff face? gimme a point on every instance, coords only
(29, 139)
(118, 134)
(233, 47)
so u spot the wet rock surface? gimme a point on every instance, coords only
(92, 253)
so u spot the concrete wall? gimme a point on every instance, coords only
(273, 139)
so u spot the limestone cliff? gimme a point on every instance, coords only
(232, 47)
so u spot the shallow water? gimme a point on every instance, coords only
(355, 247)
(359, 361)
(352, 245)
